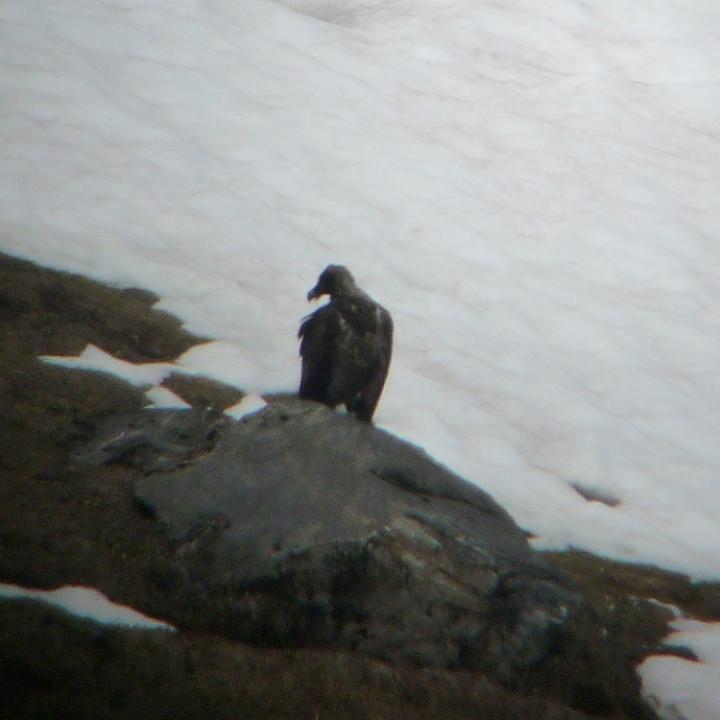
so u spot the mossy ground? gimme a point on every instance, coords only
(65, 525)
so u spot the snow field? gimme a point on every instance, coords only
(529, 189)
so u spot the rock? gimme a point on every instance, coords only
(310, 528)
(152, 440)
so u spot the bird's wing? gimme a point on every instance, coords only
(318, 335)
(386, 339)
(378, 353)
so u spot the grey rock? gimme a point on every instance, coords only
(307, 527)
(153, 440)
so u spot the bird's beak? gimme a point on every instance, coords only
(314, 294)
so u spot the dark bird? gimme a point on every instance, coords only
(345, 346)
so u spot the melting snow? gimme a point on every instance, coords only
(93, 358)
(248, 405)
(162, 397)
(87, 603)
(681, 689)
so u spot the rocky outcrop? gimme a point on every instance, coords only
(307, 527)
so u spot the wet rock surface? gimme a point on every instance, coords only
(318, 529)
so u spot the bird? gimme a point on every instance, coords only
(345, 346)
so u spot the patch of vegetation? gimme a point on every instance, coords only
(606, 581)
(201, 392)
(60, 524)
(55, 313)
(56, 666)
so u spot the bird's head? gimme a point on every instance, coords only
(334, 280)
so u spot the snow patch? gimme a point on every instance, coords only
(681, 689)
(248, 405)
(94, 359)
(86, 602)
(164, 398)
